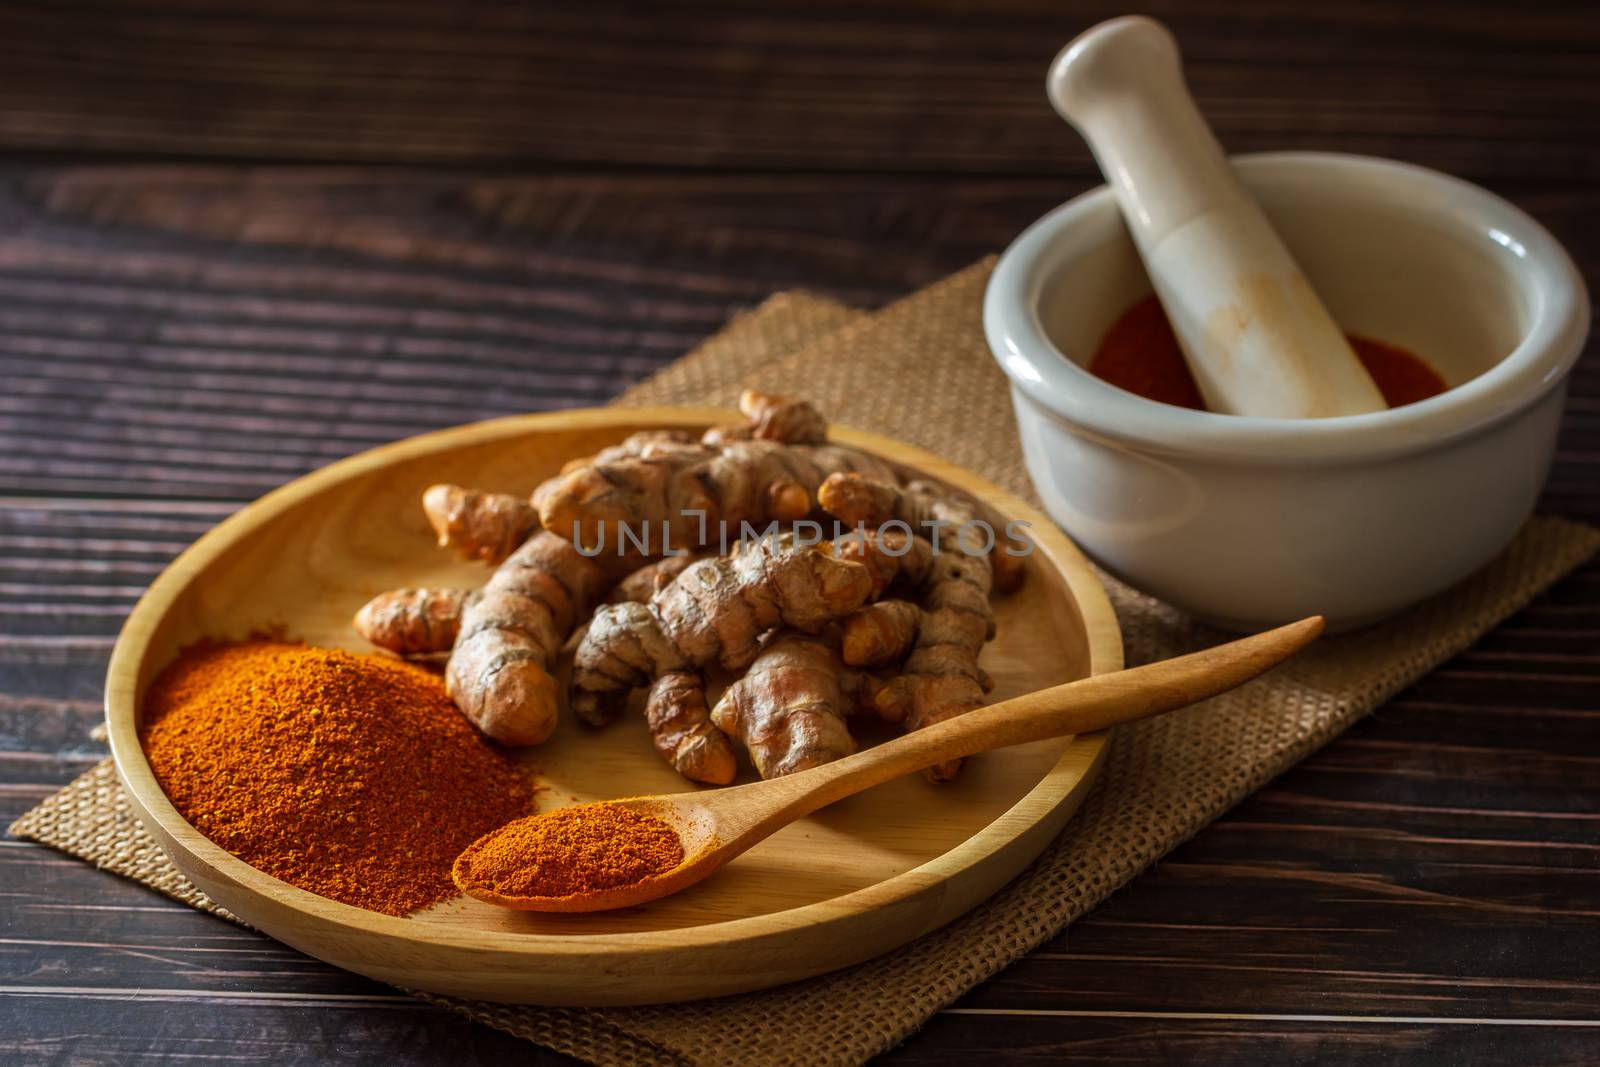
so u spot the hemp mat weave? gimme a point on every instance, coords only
(919, 371)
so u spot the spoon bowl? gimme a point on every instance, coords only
(716, 825)
(700, 827)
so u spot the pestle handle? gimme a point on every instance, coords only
(1253, 331)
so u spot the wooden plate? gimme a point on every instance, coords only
(853, 881)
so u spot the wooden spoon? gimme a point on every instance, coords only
(715, 825)
(1253, 331)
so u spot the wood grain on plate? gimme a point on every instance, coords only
(162, 331)
(848, 883)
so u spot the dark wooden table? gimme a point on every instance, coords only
(239, 241)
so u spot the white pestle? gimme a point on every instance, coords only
(1252, 329)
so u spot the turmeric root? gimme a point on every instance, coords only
(499, 670)
(715, 611)
(883, 633)
(868, 502)
(789, 709)
(489, 526)
(683, 494)
(414, 622)
(880, 633)
(643, 583)
(941, 678)
(889, 555)
(421, 622)
(682, 730)
(858, 499)
(634, 444)
(772, 417)
(478, 525)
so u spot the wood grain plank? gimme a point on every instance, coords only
(1333, 1039)
(159, 328)
(159, 342)
(950, 87)
(131, 1024)
(1441, 882)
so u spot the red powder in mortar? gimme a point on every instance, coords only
(1140, 353)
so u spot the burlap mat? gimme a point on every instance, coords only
(919, 371)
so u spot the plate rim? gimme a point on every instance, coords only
(1082, 757)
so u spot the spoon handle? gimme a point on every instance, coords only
(1079, 707)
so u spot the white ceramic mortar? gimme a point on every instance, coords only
(1250, 522)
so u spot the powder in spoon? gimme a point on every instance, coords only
(577, 850)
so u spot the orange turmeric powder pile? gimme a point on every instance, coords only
(353, 777)
(582, 849)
